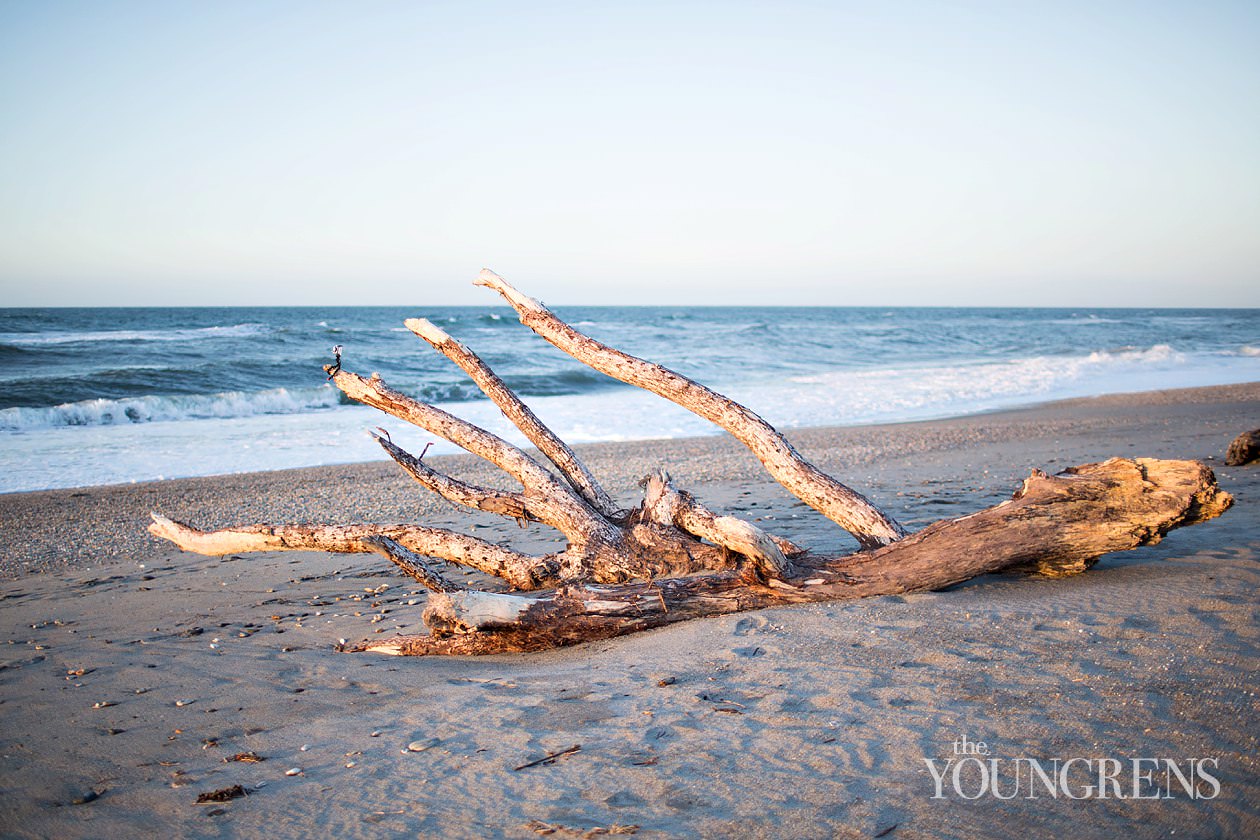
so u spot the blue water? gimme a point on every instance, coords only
(94, 396)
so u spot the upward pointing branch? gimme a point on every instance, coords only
(549, 499)
(847, 508)
(575, 472)
(374, 392)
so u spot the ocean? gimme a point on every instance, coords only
(106, 396)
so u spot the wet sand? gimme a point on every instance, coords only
(131, 671)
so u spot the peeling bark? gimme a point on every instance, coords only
(519, 570)
(579, 477)
(672, 559)
(1055, 525)
(668, 506)
(847, 508)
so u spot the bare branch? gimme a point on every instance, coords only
(575, 472)
(411, 563)
(563, 508)
(502, 502)
(374, 392)
(520, 570)
(847, 508)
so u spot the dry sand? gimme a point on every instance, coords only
(131, 671)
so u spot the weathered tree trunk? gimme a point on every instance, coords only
(671, 559)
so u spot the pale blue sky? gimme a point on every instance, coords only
(1004, 153)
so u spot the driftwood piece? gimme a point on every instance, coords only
(1244, 449)
(574, 471)
(840, 504)
(670, 558)
(1056, 525)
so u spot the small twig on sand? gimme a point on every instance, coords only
(551, 757)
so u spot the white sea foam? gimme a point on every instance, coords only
(150, 409)
(1077, 320)
(1158, 353)
(909, 393)
(279, 429)
(32, 339)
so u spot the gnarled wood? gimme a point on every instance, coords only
(672, 559)
(520, 570)
(1055, 524)
(668, 506)
(574, 471)
(842, 505)
(516, 505)
(595, 543)
(411, 563)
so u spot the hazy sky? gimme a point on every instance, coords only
(1005, 153)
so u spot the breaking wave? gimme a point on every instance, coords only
(34, 339)
(149, 409)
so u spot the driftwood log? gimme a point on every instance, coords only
(1244, 449)
(671, 559)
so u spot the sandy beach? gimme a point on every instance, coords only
(132, 673)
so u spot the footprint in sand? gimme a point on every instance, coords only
(751, 624)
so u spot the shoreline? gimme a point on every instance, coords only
(130, 680)
(1149, 396)
(48, 528)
